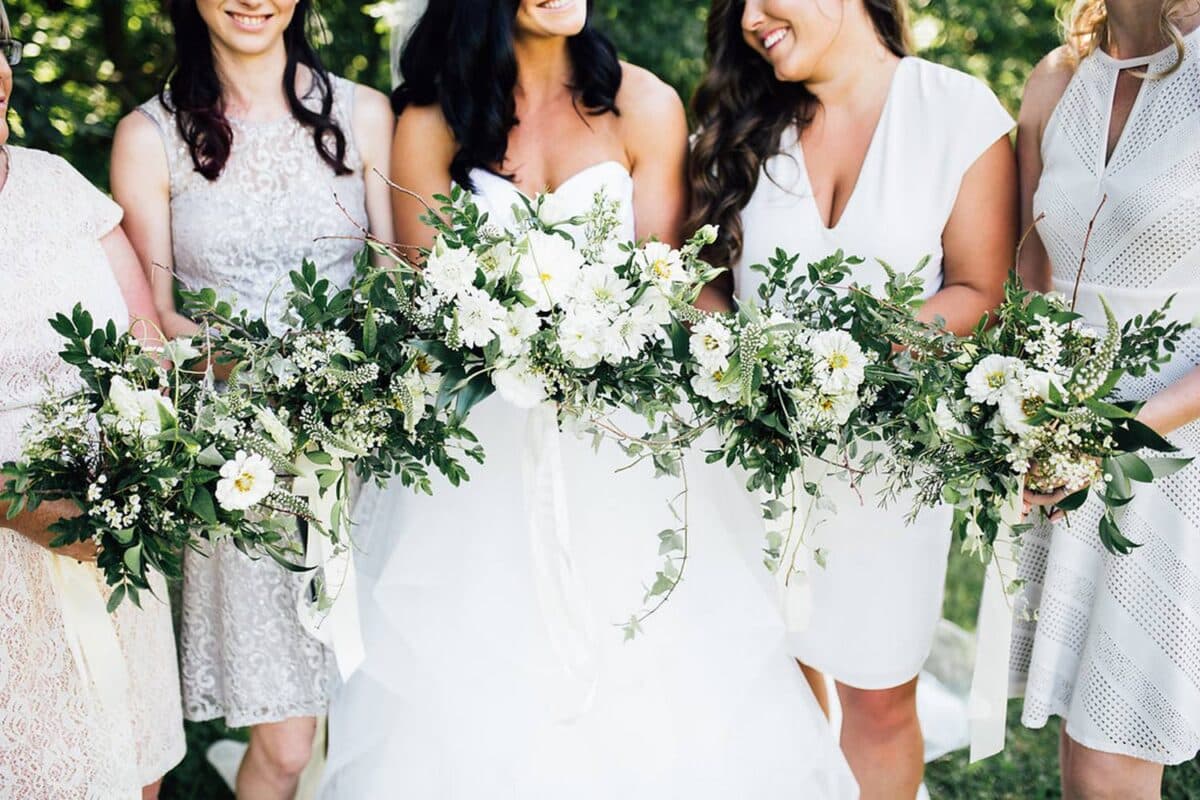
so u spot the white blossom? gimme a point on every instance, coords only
(993, 378)
(838, 362)
(661, 264)
(451, 270)
(711, 344)
(479, 317)
(141, 410)
(520, 385)
(246, 480)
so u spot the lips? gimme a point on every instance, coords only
(249, 22)
(556, 5)
(774, 37)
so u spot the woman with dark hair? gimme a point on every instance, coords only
(89, 702)
(252, 159)
(819, 132)
(1110, 132)
(493, 664)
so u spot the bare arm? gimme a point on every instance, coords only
(1042, 92)
(143, 314)
(35, 526)
(374, 126)
(979, 241)
(422, 151)
(141, 185)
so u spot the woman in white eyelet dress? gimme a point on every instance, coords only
(1111, 643)
(57, 737)
(471, 687)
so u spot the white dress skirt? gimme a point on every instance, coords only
(868, 617)
(1108, 643)
(494, 672)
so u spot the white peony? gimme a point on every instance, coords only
(711, 344)
(479, 317)
(839, 364)
(451, 271)
(661, 264)
(520, 385)
(279, 433)
(246, 480)
(993, 378)
(139, 411)
(520, 323)
(549, 269)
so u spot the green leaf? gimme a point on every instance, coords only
(1162, 467)
(116, 598)
(202, 505)
(1074, 502)
(1135, 468)
(133, 559)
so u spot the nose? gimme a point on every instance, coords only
(752, 16)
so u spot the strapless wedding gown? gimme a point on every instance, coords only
(492, 674)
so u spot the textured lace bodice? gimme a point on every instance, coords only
(276, 204)
(55, 739)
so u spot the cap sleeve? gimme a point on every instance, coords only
(982, 120)
(93, 213)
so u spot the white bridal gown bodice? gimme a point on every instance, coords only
(495, 665)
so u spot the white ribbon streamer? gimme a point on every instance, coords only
(92, 639)
(339, 627)
(561, 595)
(987, 707)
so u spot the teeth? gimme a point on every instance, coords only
(774, 38)
(554, 5)
(253, 22)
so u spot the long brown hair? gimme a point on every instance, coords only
(742, 111)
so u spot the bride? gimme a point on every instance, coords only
(493, 666)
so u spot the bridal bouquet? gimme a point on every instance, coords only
(1032, 402)
(148, 463)
(802, 374)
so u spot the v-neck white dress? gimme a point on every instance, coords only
(472, 687)
(876, 603)
(1115, 647)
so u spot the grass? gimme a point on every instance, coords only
(1026, 770)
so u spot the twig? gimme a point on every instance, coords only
(1087, 240)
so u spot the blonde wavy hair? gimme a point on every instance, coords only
(1087, 27)
(5, 31)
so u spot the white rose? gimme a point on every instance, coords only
(246, 480)
(141, 409)
(549, 269)
(520, 385)
(839, 363)
(994, 377)
(451, 271)
(479, 317)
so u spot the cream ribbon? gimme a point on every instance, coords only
(92, 639)
(339, 627)
(561, 594)
(987, 706)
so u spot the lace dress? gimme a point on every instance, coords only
(55, 738)
(245, 655)
(1115, 647)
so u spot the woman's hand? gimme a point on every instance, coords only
(1032, 500)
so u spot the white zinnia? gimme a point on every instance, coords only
(451, 271)
(479, 317)
(711, 384)
(520, 385)
(993, 378)
(246, 480)
(139, 409)
(836, 409)
(711, 344)
(661, 264)
(838, 362)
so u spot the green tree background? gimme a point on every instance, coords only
(88, 62)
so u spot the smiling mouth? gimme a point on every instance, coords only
(774, 37)
(556, 5)
(249, 21)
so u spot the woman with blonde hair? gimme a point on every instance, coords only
(1110, 140)
(73, 724)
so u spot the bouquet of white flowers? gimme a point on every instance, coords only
(1032, 401)
(147, 472)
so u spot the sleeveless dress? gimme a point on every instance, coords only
(56, 738)
(1115, 647)
(245, 655)
(872, 610)
(465, 692)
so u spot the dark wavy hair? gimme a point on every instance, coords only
(192, 91)
(742, 111)
(461, 57)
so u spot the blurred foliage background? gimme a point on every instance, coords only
(88, 62)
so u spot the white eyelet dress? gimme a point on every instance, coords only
(57, 739)
(245, 655)
(1115, 648)
(876, 603)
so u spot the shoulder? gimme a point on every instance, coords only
(645, 97)
(422, 132)
(142, 127)
(51, 170)
(1046, 86)
(949, 86)
(370, 104)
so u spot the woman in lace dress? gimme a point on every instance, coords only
(818, 133)
(61, 736)
(1108, 643)
(251, 160)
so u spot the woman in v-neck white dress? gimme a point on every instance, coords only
(1109, 643)
(490, 673)
(819, 133)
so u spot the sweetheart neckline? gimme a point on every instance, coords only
(577, 175)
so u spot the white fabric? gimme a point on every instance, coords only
(462, 693)
(878, 599)
(245, 654)
(56, 738)
(1115, 648)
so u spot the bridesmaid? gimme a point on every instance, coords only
(226, 179)
(819, 131)
(58, 738)
(1115, 115)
